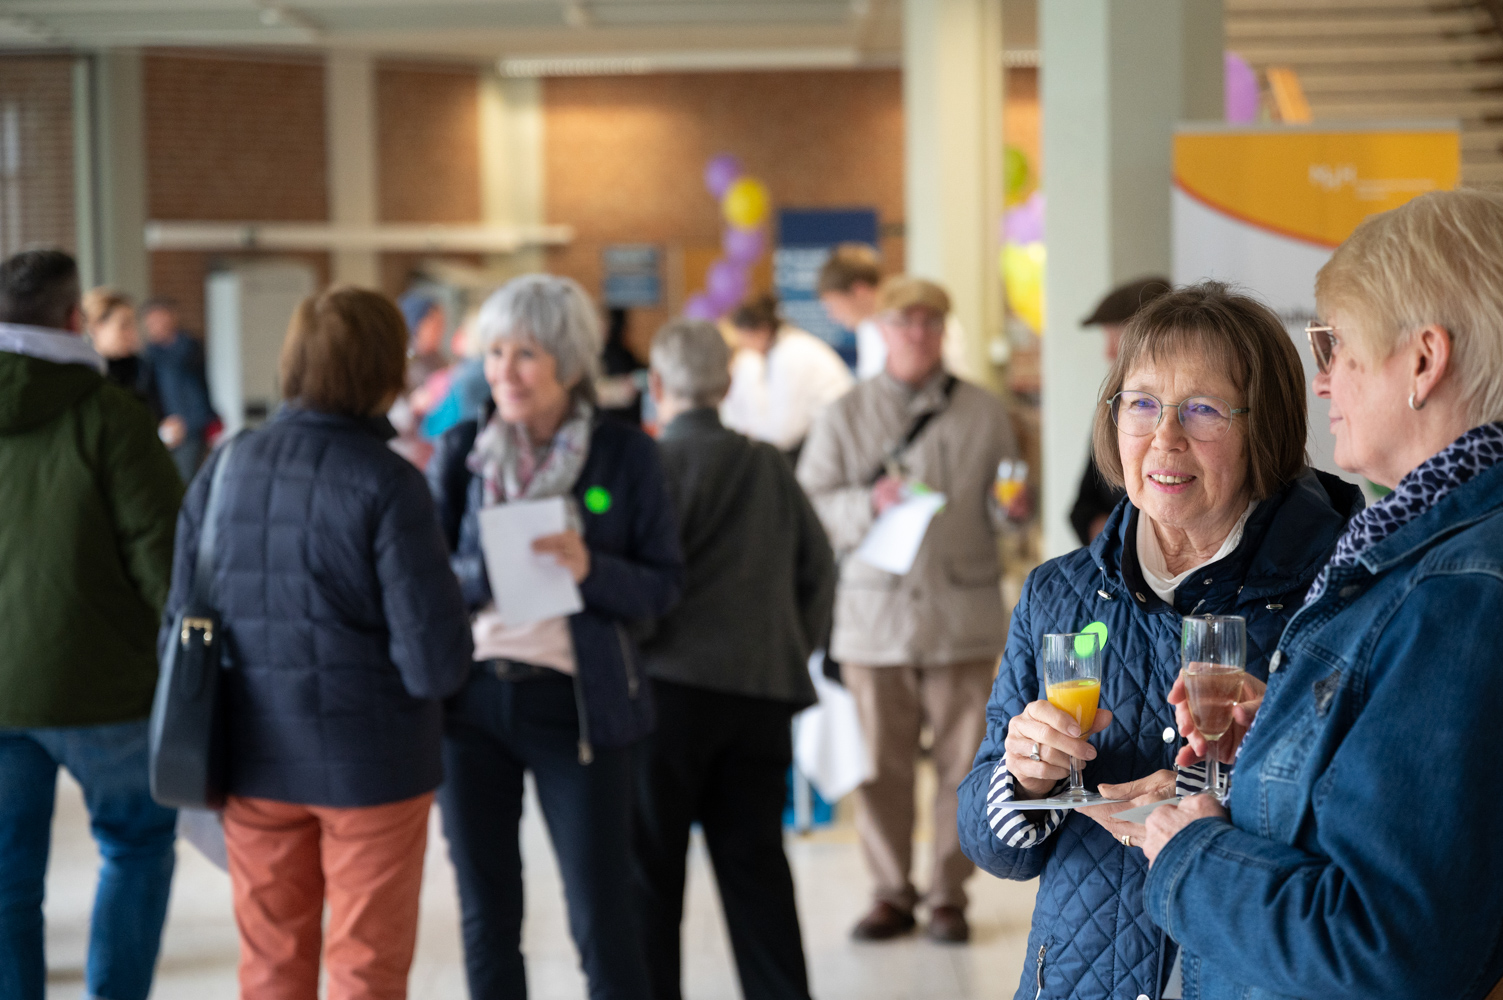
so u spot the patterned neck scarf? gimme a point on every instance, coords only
(512, 469)
(1476, 451)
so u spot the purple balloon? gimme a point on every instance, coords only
(1025, 224)
(700, 307)
(726, 283)
(743, 246)
(1242, 98)
(721, 172)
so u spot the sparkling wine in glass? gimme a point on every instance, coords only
(1072, 683)
(1214, 658)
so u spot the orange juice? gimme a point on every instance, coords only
(1077, 697)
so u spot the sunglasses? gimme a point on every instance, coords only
(1323, 344)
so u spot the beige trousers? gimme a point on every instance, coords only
(893, 704)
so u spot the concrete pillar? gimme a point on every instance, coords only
(511, 161)
(952, 112)
(110, 166)
(350, 142)
(1116, 77)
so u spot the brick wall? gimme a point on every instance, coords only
(228, 138)
(625, 156)
(428, 143)
(36, 153)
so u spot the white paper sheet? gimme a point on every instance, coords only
(528, 587)
(1141, 813)
(893, 541)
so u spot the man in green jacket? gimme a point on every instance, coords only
(88, 506)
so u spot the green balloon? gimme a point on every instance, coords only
(1017, 174)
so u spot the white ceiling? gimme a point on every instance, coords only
(684, 33)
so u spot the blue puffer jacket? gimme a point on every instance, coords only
(636, 567)
(345, 626)
(1091, 937)
(1362, 857)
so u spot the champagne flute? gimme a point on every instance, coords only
(1214, 658)
(1072, 683)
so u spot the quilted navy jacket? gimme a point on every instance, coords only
(636, 567)
(345, 626)
(1091, 937)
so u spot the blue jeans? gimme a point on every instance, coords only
(135, 838)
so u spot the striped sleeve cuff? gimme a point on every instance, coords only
(1191, 779)
(1011, 820)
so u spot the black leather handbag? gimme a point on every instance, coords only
(187, 738)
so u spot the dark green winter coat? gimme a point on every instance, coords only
(88, 504)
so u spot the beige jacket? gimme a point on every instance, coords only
(948, 608)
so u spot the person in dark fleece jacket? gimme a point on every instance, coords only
(89, 497)
(729, 668)
(346, 630)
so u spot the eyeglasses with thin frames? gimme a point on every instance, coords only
(1204, 418)
(1323, 344)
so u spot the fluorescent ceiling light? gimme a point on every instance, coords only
(711, 60)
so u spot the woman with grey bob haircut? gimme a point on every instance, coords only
(564, 697)
(557, 315)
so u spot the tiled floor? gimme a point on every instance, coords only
(198, 961)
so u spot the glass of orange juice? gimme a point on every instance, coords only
(1072, 683)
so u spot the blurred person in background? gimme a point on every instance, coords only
(781, 377)
(89, 498)
(426, 321)
(1357, 854)
(847, 287)
(921, 647)
(176, 361)
(567, 697)
(466, 390)
(348, 629)
(621, 373)
(110, 321)
(730, 668)
(1096, 498)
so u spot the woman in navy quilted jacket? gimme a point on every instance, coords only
(1202, 419)
(564, 697)
(346, 630)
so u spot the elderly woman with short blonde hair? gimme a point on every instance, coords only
(565, 698)
(1359, 853)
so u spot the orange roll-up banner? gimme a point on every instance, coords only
(1264, 206)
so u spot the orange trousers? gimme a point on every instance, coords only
(286, 859)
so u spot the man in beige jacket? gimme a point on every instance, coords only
(921, 647)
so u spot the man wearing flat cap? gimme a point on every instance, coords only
(920, 647)
(1096, 497)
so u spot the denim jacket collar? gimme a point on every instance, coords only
(1463, 506)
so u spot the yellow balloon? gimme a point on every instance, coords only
(746, 203)
(1023, 279)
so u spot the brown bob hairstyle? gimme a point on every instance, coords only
(345, 352)
(1235, 334)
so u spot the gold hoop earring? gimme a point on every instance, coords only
(1412, 405)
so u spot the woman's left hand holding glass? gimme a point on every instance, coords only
(569, 549)
(1167, 820)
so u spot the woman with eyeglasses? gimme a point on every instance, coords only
(1202, 420)
(1359, 853)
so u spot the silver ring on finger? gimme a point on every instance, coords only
(1034, 755)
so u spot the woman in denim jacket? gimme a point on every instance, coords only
(1359, 856)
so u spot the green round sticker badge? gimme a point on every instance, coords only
(597, 500)
(1083, 645)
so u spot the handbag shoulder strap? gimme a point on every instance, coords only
(208, 530)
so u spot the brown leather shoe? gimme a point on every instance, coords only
(883, 922)
(947, 925)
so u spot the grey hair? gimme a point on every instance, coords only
(557, 315)
(693, 361)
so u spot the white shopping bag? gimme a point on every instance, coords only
(829, 747)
